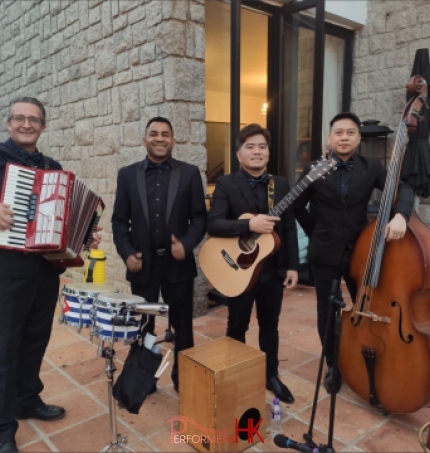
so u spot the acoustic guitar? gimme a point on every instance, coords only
(232, 265)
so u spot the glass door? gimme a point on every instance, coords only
(302, 38)
(316, 82)
(302, 82)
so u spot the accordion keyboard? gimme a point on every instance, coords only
(18, 194)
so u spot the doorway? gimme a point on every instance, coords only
(253, 77)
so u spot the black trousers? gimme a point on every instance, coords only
(323, 278)
(267, 294)
(27, 308)
(179, 297)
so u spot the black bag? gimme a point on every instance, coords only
(137, 378)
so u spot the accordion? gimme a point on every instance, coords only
(55, 214)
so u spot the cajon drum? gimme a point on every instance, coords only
(222, 385)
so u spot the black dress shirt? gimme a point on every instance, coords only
(343, 177)
(262, 201)
(157, 186)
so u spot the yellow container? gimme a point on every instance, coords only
(95, 271)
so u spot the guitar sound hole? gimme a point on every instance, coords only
(246, 260)
(247, 244)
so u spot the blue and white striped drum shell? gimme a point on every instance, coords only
(107, 306)
(78, 302)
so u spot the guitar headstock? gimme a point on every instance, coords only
(321, 168)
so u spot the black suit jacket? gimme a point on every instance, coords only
(185, 218)
(233, 197)
(332, 225)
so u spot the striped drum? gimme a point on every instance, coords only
(78, 302)
(114, 318)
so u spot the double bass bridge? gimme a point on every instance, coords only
(373, 316)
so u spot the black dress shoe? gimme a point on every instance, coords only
(8, 447)
(328, 380)
(280, 390)
(45, 412)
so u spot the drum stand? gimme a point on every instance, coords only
(117, 443)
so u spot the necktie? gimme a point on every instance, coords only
(263, 179)
(348, 165)
(163, 166)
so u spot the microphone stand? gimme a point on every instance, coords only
(335, 323)
(117, 442)
(121, 319)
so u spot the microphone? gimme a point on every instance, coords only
(282, 441)
(154, 309)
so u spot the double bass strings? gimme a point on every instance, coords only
(373, 265)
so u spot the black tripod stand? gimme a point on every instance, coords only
(335, 323)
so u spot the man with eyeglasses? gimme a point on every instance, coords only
(28, 290)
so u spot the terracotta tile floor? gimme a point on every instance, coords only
(74, 377)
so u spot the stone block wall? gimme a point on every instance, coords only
(383, 58)
(103, 68)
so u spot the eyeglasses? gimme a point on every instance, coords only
(33, 120)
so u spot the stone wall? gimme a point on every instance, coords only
(103, 68)
(383, 58)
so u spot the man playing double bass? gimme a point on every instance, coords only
(337, 216)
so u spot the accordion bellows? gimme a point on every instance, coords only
(55, 214)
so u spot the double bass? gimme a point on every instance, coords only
(384, 346)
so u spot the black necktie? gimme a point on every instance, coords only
(263, 179)
(348, 165)
(163, 166)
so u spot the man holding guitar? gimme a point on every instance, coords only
(253, 190)
(337, 216)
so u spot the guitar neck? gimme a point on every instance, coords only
(288, 200)
(291, 196)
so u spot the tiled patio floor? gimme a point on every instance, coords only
(74, 377)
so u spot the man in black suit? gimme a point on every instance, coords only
(28, 289)
(337, 216)
(248, 191)
(159, 217)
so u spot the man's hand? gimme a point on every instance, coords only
(396, 229)
(291, 279)
(134, 262)
(97, 237)
(262, 223)
(177, 249)
(6, 217)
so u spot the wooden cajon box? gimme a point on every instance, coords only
(221, 381)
